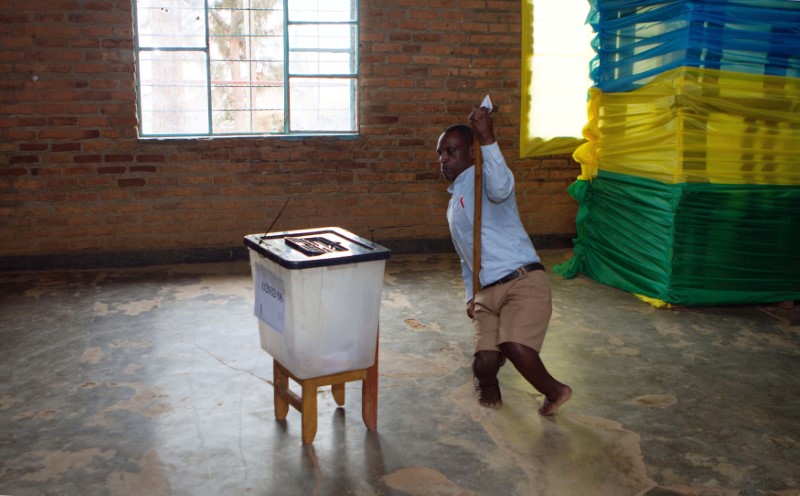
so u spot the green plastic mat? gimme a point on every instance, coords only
(688, 243)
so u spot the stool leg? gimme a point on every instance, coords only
(280, 383)
(308, 411)
(338, 393)
(369, 395)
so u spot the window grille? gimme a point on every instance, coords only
(246, 67)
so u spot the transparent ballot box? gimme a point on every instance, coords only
(317, 298)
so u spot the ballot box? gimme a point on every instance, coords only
(317, 298)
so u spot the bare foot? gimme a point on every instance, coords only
(489, 395)
(550, 406)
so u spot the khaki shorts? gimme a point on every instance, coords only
(517, 311)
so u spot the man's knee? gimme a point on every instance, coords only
(517, 352)
(487, 362)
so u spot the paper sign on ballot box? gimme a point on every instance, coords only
(270, 298)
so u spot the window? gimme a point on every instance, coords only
(557, 49)
(246, 67)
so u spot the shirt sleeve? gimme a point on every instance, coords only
(498, 180)
(466, 274)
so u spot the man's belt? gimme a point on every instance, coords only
(517, 273)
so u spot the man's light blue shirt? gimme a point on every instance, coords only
(505, 245)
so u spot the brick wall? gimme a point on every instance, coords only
(74, 177)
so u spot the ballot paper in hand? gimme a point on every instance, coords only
(487, 103)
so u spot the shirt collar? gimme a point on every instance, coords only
(466, 175)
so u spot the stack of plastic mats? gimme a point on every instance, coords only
(690, 184)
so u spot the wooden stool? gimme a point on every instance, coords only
(307, 403)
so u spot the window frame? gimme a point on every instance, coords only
(354, 76)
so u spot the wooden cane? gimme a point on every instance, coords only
(476, 224)
(477, 208)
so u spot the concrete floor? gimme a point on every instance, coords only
(152, 382)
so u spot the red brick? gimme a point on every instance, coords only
(65, 147)
(150, 158)
(87, 159)
(13, 171)
(18, 134)
(32, 147)
(119, 157)
(112, 169)
(23, 159)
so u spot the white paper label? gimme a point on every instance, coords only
(487, 103)
(270, 298)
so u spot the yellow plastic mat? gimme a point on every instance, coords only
(697, 125)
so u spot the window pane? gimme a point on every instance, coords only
(322, 49)
(230, 72)
(246, 4)
(247, 107)
(257, 48)
(268, 48)
(322, 10)
(247, 64)
(173, 92)
(230, 31)
(268, 98)
(171, 23)
(248, 122)
(231, 122)
(268, 73)
(267, 4)
(230, 98)
(233, 18)
(228, 4)
(322, 104)
(561, 51)
(268, 121)
(320, 62)
(329, 36)
(267, 21)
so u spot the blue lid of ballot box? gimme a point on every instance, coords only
(320, 247)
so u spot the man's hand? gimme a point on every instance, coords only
(480, 119)
(470, 308)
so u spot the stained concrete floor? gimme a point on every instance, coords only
(151, 382)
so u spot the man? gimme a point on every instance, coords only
(511, 311)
